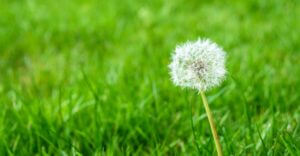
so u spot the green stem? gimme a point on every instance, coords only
(212, 125)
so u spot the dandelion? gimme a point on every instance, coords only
(199, 65)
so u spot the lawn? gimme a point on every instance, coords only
(91, 77)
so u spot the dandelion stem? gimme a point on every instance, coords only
(212, 125)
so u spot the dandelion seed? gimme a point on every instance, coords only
(200, 65)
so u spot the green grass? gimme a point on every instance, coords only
(91, 78)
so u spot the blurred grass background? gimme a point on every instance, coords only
(91, 78)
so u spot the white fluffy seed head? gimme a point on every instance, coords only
(199, 65)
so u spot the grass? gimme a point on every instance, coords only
(91, 78)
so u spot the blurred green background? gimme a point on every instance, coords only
(91, 78)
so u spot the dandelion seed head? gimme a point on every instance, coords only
(199, 65)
